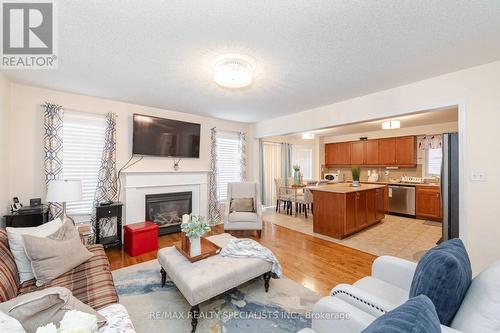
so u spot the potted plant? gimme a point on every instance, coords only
(296, 174)
(355, 175)
(194, 228)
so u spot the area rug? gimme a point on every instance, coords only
(396, 236)
(248, 308)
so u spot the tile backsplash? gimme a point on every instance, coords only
(393, 173)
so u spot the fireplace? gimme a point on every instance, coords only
(166, 210)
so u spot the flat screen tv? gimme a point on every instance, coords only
(155, 136)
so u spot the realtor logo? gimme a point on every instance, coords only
(28, 34)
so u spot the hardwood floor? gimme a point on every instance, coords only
(315, 263)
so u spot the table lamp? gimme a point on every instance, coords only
(63, 191)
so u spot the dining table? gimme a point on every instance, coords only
(294, 188)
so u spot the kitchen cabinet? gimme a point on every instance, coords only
(371, 152)
(380, 199)
(387, 151)
(386, 199)
(405, 151)
(343, 212)
(358, 153)
(350, 213)
(371, 206)
(397, 151)
(428, 203)
(344, 153)
(330, 153)
(361, 209)
(338, 153)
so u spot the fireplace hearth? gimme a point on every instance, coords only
(166, 210)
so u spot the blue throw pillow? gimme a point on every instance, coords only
(444, 274)
(417, 315)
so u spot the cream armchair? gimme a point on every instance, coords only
(243, 220)
(389, 286)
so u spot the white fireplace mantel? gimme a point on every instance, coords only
(138, 184)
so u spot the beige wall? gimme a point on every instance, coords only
(26, 131)
(299, 142)
(477, 93)
(4, 144)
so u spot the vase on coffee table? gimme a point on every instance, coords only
(195, 246)
(194, 227)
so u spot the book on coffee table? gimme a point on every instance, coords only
(208, 249)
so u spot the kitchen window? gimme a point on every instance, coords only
(83, 143)
(434, 158)
(302, 156)
(228, 162)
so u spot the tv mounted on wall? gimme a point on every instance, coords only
(155, 136)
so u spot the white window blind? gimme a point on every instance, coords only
(302, 156)
(434, 158)
(83, 142)
(228, 163)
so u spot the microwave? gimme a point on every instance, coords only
(332, 177)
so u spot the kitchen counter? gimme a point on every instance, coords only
(343, 188)
(341, 210)
(400, 183)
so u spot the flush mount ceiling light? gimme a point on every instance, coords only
(233, 70)
(307, 136)
(391, 124)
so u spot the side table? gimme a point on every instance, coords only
(109, 214)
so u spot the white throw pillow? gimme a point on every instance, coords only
(10, 324)
(16, 244)
(480, 308)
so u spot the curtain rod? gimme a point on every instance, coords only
(85, 112)
(230, 131)
(279, 143)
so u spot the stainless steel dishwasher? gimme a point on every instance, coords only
(402, 199)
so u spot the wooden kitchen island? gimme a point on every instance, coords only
(341, 210)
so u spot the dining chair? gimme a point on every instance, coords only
(304, 201)
(283, 194)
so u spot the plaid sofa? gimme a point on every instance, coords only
(91, 282)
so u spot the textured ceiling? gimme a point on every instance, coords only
(308, 53)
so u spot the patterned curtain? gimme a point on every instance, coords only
(242, 152)
(214, 213)
(53, 147)
(107, 188)
(430, 142)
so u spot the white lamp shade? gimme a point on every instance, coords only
(64, 191)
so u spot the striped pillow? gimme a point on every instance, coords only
(9, 278)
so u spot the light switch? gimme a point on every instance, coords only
(478, 176)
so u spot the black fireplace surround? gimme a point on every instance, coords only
(166, 210)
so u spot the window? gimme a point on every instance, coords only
(303, 157)
(228, 162)
(433, 161)
(83, 142)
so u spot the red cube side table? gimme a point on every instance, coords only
(141, 238)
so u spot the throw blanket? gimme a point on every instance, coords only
(248, 248)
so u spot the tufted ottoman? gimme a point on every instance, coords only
(207, 278)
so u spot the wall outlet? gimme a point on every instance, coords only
(478, 176)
